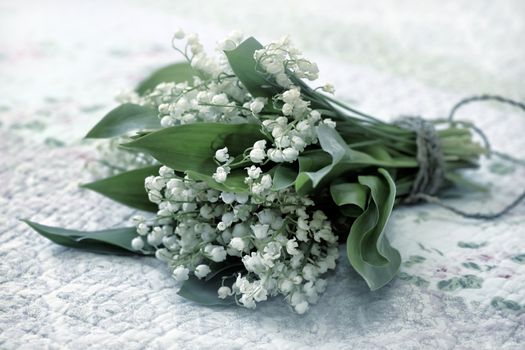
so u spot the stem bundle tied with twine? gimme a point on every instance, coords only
(430, 158)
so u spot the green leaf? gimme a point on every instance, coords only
(113, 241)
(192, 147)
(283, 177)
(368, 248)
(127, 188)
(256, 81)
(123, 119)
(234, 183)
(204, 291)
(246, 69)
(343, 159)
(177, 73)
(351, 197)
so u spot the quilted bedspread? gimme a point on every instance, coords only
(462, 282)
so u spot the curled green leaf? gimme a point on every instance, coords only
(351, 197)
(319, 169)
(368, 249)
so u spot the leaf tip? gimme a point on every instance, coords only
(85, 186)
(24, 220)
(93, 133)
(89, 135)
(29, 223)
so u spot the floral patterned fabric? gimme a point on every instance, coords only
(461, 282)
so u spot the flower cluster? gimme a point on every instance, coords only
(216, 95)
(212, 95)
(285, 246)
(294, 131)
(279, 57)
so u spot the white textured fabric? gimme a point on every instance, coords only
(461, 283)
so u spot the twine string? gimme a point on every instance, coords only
(430, 174)
(430, 159)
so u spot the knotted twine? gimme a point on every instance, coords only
(431, 174)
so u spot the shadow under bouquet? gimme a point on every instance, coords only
(253, 178)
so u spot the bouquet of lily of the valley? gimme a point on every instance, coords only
(253, 177)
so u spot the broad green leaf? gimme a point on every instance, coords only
(314, 160)
(351, 197)
(127, 188)
(283, 177)
(252, 76)
(177, 73)
(247, 70)
(204, 291)
(113, 241)
(192, 147)
(234, 183)
(123, 119)
(343, 159)
(368, 248)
